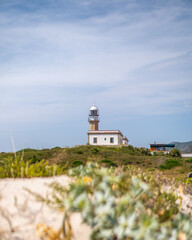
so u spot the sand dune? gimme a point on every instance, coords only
(21, 213)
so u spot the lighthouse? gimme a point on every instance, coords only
(94, 118)
(103, 137)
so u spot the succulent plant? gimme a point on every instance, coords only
(116, 207)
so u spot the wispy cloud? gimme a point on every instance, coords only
(130, 55)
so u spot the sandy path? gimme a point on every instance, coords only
(25, 212)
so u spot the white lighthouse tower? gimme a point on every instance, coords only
(93, 118)
(103, 137)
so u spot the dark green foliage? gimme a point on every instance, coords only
(189, 160)
(175, 152)
(145, 152)
(159, 153)
(79, 152)
(126, 161)
(128, 149)
(94, 150)
(170, 163)
(56, 148)
(109, 163)
(27, 150)
(135, 151)
(76, 163)
(35, 159)
(125, 155)
(155, 154)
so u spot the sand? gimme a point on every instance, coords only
(21, 213)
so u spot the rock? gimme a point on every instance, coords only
(189, 175)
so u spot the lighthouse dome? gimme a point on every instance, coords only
(93, 114)
(94, 108)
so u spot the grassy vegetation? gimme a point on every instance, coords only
(18, 168)
(170, 163)
(66, 158)
(118, 191)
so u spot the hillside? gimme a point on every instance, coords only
(184, 147)
(65, 158)
(34, 196)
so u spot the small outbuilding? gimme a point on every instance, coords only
(155, 147)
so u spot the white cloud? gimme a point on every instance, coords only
(129, 54)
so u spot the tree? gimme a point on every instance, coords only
(175, 152)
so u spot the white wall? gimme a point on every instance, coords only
(186, 154)
(101, 139)
(125, 142)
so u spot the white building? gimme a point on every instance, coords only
(103, 137)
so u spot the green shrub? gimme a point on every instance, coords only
(170, 163)
(145, 152)
(189, 160)
(126, 161)
(94, 150)
(154, 153)
(174, 152)
(109, 163)
(135, 151)
(79, 152)
(121, 206)
(34, 159)
(128, 149)
(27, 150)
(56, 148)
(76, 163)
(158, 153)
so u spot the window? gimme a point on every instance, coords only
(105, 139)
(111, 140)
(94, 140)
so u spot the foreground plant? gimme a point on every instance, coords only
(17, 167)
(116, 207)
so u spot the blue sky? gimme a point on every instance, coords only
(133, 57)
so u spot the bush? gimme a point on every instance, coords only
(56, 148)
(126, 161)
(121, 207)
(175, 152)
(145, 152)
(34, 159)
(170, 163)
(79, 152)
(189, 160)
(109, 163)
(159, 153)
(128, 149)
(94, 150)
(76, 163)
